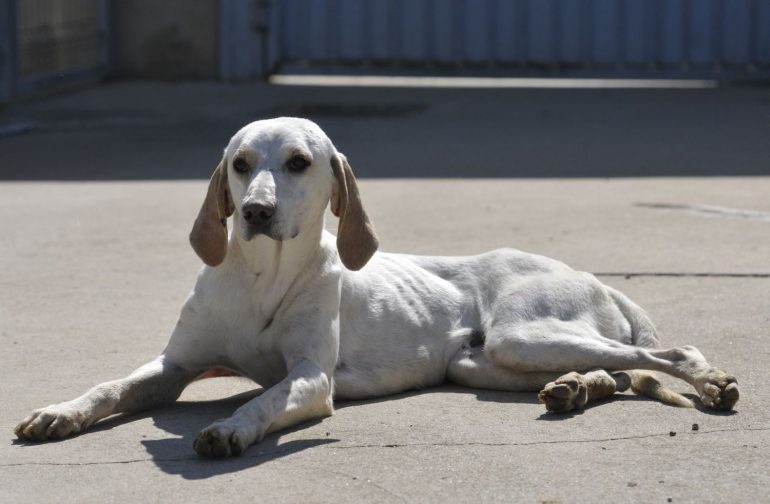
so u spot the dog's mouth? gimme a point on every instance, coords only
(250, 232)
(272, 231)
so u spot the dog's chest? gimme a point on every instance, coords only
(248, 305)
(251, 342)
(254, 351)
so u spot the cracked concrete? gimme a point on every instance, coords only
(196, 459)
(711, 211)
(683, 275)
(92, 275)
(69, 323)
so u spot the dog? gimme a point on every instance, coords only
(312, 317)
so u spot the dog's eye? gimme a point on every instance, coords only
(297, 164)
(240, 165)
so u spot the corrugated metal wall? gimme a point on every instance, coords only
(45, 42)
(56, 36)
(7, 55)
(715, 38)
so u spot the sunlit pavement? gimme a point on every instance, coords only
(93, 271)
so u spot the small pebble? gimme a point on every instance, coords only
(672, 433)
(632, 483)
(695, 426)
(669, 499)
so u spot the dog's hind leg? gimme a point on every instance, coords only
(575, 390)
(156, 383)
(556, 345)
(470, 367)
(559, 392)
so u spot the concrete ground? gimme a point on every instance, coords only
(94, 269)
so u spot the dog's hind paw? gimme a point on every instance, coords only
(718, 390)
(568, 392)
(220, 440)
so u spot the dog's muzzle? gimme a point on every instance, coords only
(259, 218)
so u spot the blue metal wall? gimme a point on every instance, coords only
(697, 38)
(7, 49)
(244, 31)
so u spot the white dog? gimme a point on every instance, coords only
(276, 305)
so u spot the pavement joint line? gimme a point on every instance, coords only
(558, 441)
(711, 211)
(682, 275)
(192, 458)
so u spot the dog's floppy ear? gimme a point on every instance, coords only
(209, 233)
(356, 240)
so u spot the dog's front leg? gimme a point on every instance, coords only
(305, 393)
(156, 383)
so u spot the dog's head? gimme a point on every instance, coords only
(276, 177)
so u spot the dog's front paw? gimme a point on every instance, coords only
(568, 392)
(221, 439)
(52, 422)
(718, 390)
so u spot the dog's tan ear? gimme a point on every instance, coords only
(356, 240)
(209, 233)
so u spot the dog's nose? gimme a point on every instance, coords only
(258, 214)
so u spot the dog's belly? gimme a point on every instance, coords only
(399, 315)
(386, 363)
(395, 325)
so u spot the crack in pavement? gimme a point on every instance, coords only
(196, 459)
(559, 441)
(711, 211)
(629, 274)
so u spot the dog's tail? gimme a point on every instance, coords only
(643, 334)
(645, 383)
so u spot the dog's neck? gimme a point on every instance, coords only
(261, 255)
